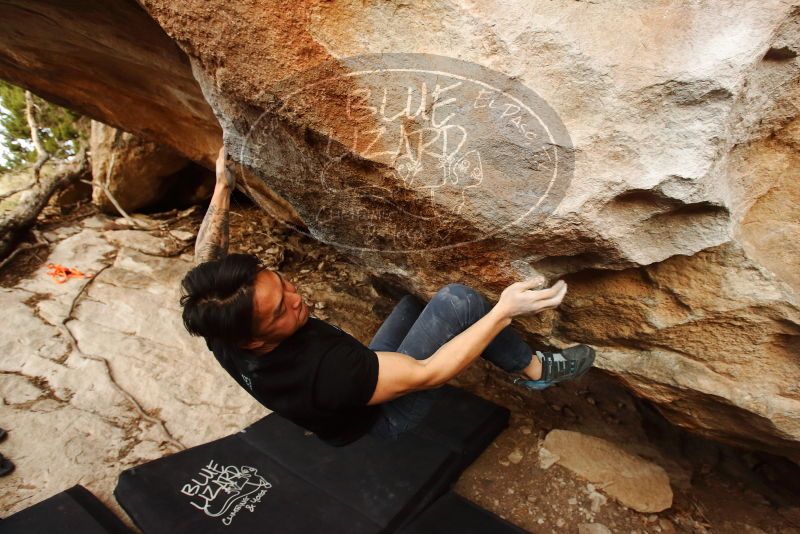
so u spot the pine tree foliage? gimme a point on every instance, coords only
(59, 129)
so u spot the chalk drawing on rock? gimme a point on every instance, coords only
(417, 140)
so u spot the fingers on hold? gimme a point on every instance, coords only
(553, 300)
(533, 282)
(552, 290)
(550, 303)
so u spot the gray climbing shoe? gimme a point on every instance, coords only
(567, 364)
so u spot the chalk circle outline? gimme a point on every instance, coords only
(558, 136)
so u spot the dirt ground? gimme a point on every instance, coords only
(716, 488)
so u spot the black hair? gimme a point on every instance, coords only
(217, 298)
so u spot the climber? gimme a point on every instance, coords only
(316, 375)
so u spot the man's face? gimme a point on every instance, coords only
(278, 310)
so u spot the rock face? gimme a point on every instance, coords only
(633, 481)
(648, 159)
(99, 375)
(111, 63)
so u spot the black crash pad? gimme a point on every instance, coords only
(453, 513)
(75, 510)
(464, 422)
(300, 484)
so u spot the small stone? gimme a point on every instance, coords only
(511, 491)
(321, 266)
(652, 518)
(525, 430)
(305, 271)
(531, 498)
(560, 523)
(555, 407)
(516, 456)
(591, 400)
(504, 463)
(569, 413)
(547, 458)
(319, 306)
(597, 499)
(540, 521)
(572, 501)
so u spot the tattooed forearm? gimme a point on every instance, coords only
(212, 238)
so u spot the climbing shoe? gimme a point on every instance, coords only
(567, 364)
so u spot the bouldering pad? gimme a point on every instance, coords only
(75, 510)
(276, 473)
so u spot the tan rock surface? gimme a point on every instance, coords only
(98, 374)
(136, 172)
(632, 480)
(676, 233)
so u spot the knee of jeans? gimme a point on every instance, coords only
(458, 291)
(461, 297)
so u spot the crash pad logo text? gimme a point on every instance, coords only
(223, 491)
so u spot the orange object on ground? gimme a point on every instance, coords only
(61, 274)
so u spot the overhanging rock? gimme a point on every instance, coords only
(676, 224)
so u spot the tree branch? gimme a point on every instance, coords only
(14, 223)
(41, 154)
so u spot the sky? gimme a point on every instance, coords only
(5, 154)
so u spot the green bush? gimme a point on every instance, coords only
(59, 129)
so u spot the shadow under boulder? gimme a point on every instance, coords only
(141, 175)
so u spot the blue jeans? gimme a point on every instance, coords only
(418, 330)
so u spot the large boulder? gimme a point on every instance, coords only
(111, 63)
(135, 172)
(673, 128)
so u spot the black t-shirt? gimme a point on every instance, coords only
(320, 377)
